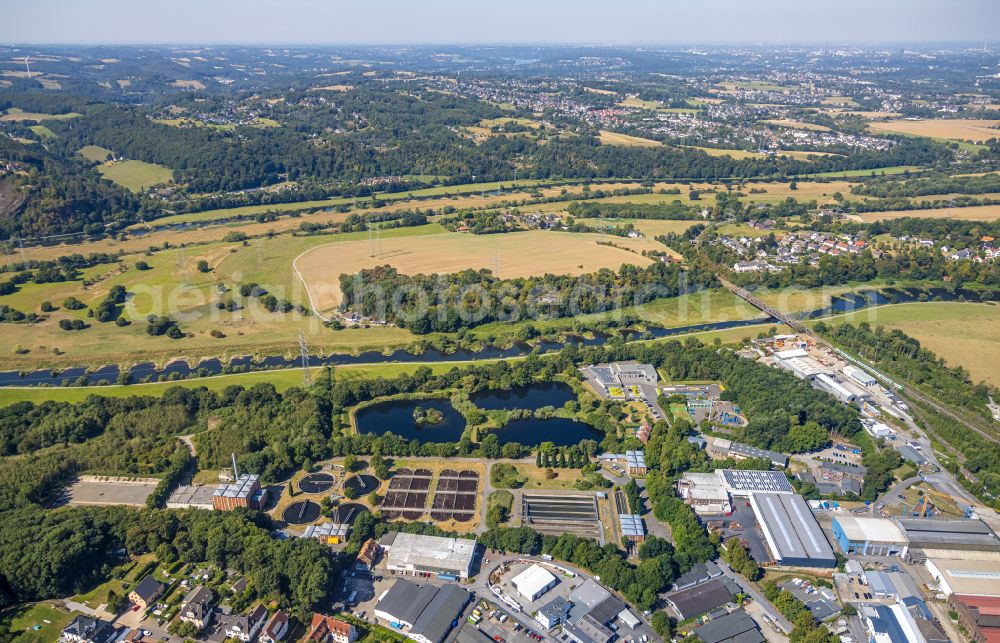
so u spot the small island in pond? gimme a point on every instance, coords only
(427, 416)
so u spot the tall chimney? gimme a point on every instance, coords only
(236, 472)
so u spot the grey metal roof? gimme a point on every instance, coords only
(737, 626)
(933, 533)
(880, 584)
(590, 594)
(635, 459)
(445, 606)
(756, 452)
(699, 573)
(791, 530)
(405, 600)
(703, 597)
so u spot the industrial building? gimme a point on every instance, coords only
(533, 582)
(613, 378)
(835, 388)
(911, 455)
(890, 624)
(635, 462)
(704, 493)
(743, 482)
(197, 496)
(554, 612)
(703, 597)
(592, 611)
(869, 536)
(415, 553)
(860, 376)
(790, 530)
(423, 613)
(727, 448)
(932, 534)
(966, 577)
(800, 363)
(633, 528)
(979, 614)
(331, 533)
(244, 492)
(736, 627)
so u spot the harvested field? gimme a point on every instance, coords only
(960, 130)
(973, 213)
(787, 122)
(518, 254)
(614, 138)
(15, 114)
(962, 333)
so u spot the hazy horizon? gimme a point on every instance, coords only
(518, 22)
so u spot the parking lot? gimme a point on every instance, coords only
(743, 524)
(90, 490)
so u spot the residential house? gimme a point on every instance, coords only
(86, 629)
(276, 628)
(145, 592)
(327, 629)
(243, 628)
(369, 554)
(197, 607)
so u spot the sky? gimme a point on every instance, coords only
(510, 21)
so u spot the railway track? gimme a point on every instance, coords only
(805, 330)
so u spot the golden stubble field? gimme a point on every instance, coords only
(972, 213)
(962, 130)
(516, 254)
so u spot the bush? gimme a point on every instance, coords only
(47, 307)
(72, 303)
(506, 476)
(142, 265)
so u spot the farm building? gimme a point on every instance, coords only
(533, 582)
(415, 553)
(869, 536)
(635, 462)
(425, 613)
(790, 530)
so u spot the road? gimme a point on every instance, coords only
(802, 329)
(942, 480)
(751, 591)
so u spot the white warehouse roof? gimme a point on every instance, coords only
(533, 581)
(878, 530)
(424, 553)
(790, 353)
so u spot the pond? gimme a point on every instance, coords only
(560, 431)
(396, 416)
(532, 396)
